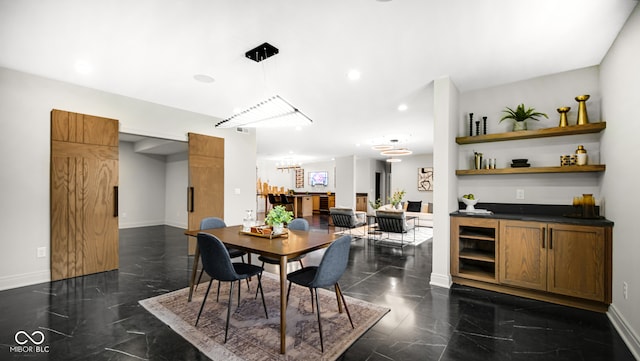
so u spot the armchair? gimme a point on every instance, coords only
(394, 222)
(347, 218)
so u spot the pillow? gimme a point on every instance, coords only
(414, 206)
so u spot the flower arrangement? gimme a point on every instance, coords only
(278, 215)
(397, 196)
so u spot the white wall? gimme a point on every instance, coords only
(25, 105)
(141, 190)
(176, 183)
(346, 182)
(404, 175)
(620, 84)
(545, 94)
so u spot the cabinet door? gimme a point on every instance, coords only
(576, 261)
(523, 254)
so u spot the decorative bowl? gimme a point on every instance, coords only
(470, 203)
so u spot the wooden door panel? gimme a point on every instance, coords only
(576, 261)
(206, 180)
(100, 240)
(522, 254)
(84, 228)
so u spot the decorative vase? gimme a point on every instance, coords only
(470, 124)
(563, 116)
(278, 228)
(484, 125)
(517, 126)
(583, 118)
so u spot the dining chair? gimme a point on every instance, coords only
(272, 200)
(331, 268)
(216, 261)
(284, 200)
(211, 223)
(299, 224)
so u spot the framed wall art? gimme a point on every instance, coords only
(425, 179)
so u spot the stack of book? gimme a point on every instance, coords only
(519, 163)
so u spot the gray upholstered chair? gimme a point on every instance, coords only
(394, 222)
(212, 223)
(298, 224)
(347, 218)
(332, 266)
(217, 263)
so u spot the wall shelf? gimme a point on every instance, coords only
(533, 170)
(532, 134)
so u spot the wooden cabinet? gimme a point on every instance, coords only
(361, 203)
(555, 262)
(473, 248)
(563, 259)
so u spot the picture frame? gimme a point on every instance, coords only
(425, 179)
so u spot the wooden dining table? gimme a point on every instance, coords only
(283, 248)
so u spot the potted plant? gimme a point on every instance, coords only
(277, 217)
(377, 204)
(520, 115)
(396, 198)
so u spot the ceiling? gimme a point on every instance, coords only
(152, 49)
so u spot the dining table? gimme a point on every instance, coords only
(291, 244)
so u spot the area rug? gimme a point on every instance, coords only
(423, 234)
(252, 337)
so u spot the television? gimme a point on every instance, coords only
(319, 178)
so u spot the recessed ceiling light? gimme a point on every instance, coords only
(203, 78)
(394, 160)
(354, 74)
(402, 107)
(83, 67)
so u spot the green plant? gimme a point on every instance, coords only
(278, 215)
(397, 196)
(377, 204)
(521, 114)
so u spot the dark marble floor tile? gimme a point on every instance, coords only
(97, 317)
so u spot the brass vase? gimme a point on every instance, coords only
(582, 109)
(563, 116)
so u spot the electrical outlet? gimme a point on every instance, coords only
(625, 290)
(519, 193)
(42, 252)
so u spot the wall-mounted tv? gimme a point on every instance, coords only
(319, 178)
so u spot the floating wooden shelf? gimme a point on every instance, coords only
(531, 134)
(533, 170)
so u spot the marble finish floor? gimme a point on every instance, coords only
(98, 317)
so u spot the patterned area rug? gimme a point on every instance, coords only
(423, 234)
(255, 338)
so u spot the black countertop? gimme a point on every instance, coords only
(533, 212)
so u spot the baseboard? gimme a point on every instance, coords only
(440, 280)
(124, 225)
(627, 333)
(176, 224)
(24, 279)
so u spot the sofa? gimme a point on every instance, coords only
(422, 210)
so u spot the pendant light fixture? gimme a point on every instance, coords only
(272, 112)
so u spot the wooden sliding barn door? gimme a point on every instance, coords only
(84, 180)
(205, 196)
